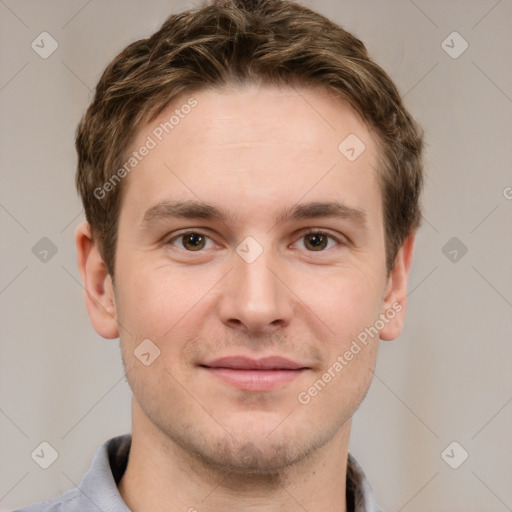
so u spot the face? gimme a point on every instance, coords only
(246, 233)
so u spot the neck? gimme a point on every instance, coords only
(162, 476)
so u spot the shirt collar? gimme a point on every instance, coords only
(360, 496)
(99, 484)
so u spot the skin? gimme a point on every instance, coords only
(198, 442)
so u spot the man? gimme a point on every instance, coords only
(251, 182)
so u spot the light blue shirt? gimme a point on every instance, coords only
(97, 491)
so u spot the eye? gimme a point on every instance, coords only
(318, 241)
(195, 241)
(192, 241)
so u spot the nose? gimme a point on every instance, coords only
(255, 296)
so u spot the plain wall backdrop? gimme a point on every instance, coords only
(446, 379)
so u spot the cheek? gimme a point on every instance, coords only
(346, 301)
(350, 307)
(157, 302)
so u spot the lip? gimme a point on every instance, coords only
(246, 363)
(248, 374)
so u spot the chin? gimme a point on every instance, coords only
(260, 448)
(246, 457)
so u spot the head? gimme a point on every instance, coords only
(235, 120)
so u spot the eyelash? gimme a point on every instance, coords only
(198, 232)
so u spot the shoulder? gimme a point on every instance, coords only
(67, 502)
(97, 491)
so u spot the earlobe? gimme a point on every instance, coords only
(395, 301)
(99, 291)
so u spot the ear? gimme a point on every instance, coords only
(395, 300)
(99, 291)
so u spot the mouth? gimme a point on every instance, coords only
(248, 374)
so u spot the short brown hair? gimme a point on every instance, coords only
(273, 42)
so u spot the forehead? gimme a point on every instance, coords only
(246, 116)
(261, 142)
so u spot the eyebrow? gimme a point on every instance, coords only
(191, 209)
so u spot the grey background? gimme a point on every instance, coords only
(447, 378)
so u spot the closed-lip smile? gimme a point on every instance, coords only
(264, 374)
